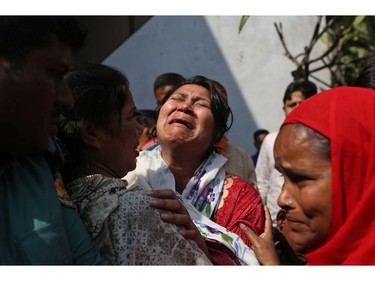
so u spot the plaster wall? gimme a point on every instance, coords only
(250, 64)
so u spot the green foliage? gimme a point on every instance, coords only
(350, 44)
(356, 45)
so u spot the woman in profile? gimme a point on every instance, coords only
(100, 137)
(325, 151)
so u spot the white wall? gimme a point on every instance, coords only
(251, 64)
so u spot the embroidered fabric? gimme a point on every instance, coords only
(126, 228)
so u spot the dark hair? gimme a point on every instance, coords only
(146, 117)
(259, 132)
(366, 78)
(166, 79)
(21, 34)
(99, 96)
(306, 87)
(221, 89)
(219, 106)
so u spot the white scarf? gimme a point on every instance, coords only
(200, 196)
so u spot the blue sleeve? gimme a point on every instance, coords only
(84, 251)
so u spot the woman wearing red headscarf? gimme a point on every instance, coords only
(326, 152)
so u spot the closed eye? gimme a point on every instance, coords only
(175, 98)
(203, 104)
(297, 178)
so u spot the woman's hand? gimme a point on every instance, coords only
(166, 199)
(263, 245)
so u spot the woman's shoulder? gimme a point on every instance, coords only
(240, 190)
(236, 182)
(135, 201)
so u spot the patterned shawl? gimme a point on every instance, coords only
(126, 228)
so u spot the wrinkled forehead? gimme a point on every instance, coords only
(191, 88)
(290, 135)
(193, 91)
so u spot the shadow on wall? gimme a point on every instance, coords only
(186, 45)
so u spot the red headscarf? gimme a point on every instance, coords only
(346, 116)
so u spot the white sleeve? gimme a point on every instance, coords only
(264, 167)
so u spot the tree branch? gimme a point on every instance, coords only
(287, 53)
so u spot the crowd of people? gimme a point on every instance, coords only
(87, 178)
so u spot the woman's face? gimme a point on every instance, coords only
(306, 193)
(119, 148)
(186, 117)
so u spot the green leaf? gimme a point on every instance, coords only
(358, 20)
(370, 22)
(344, 22)
(243, 22)
(208, 211)
(226, 238)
